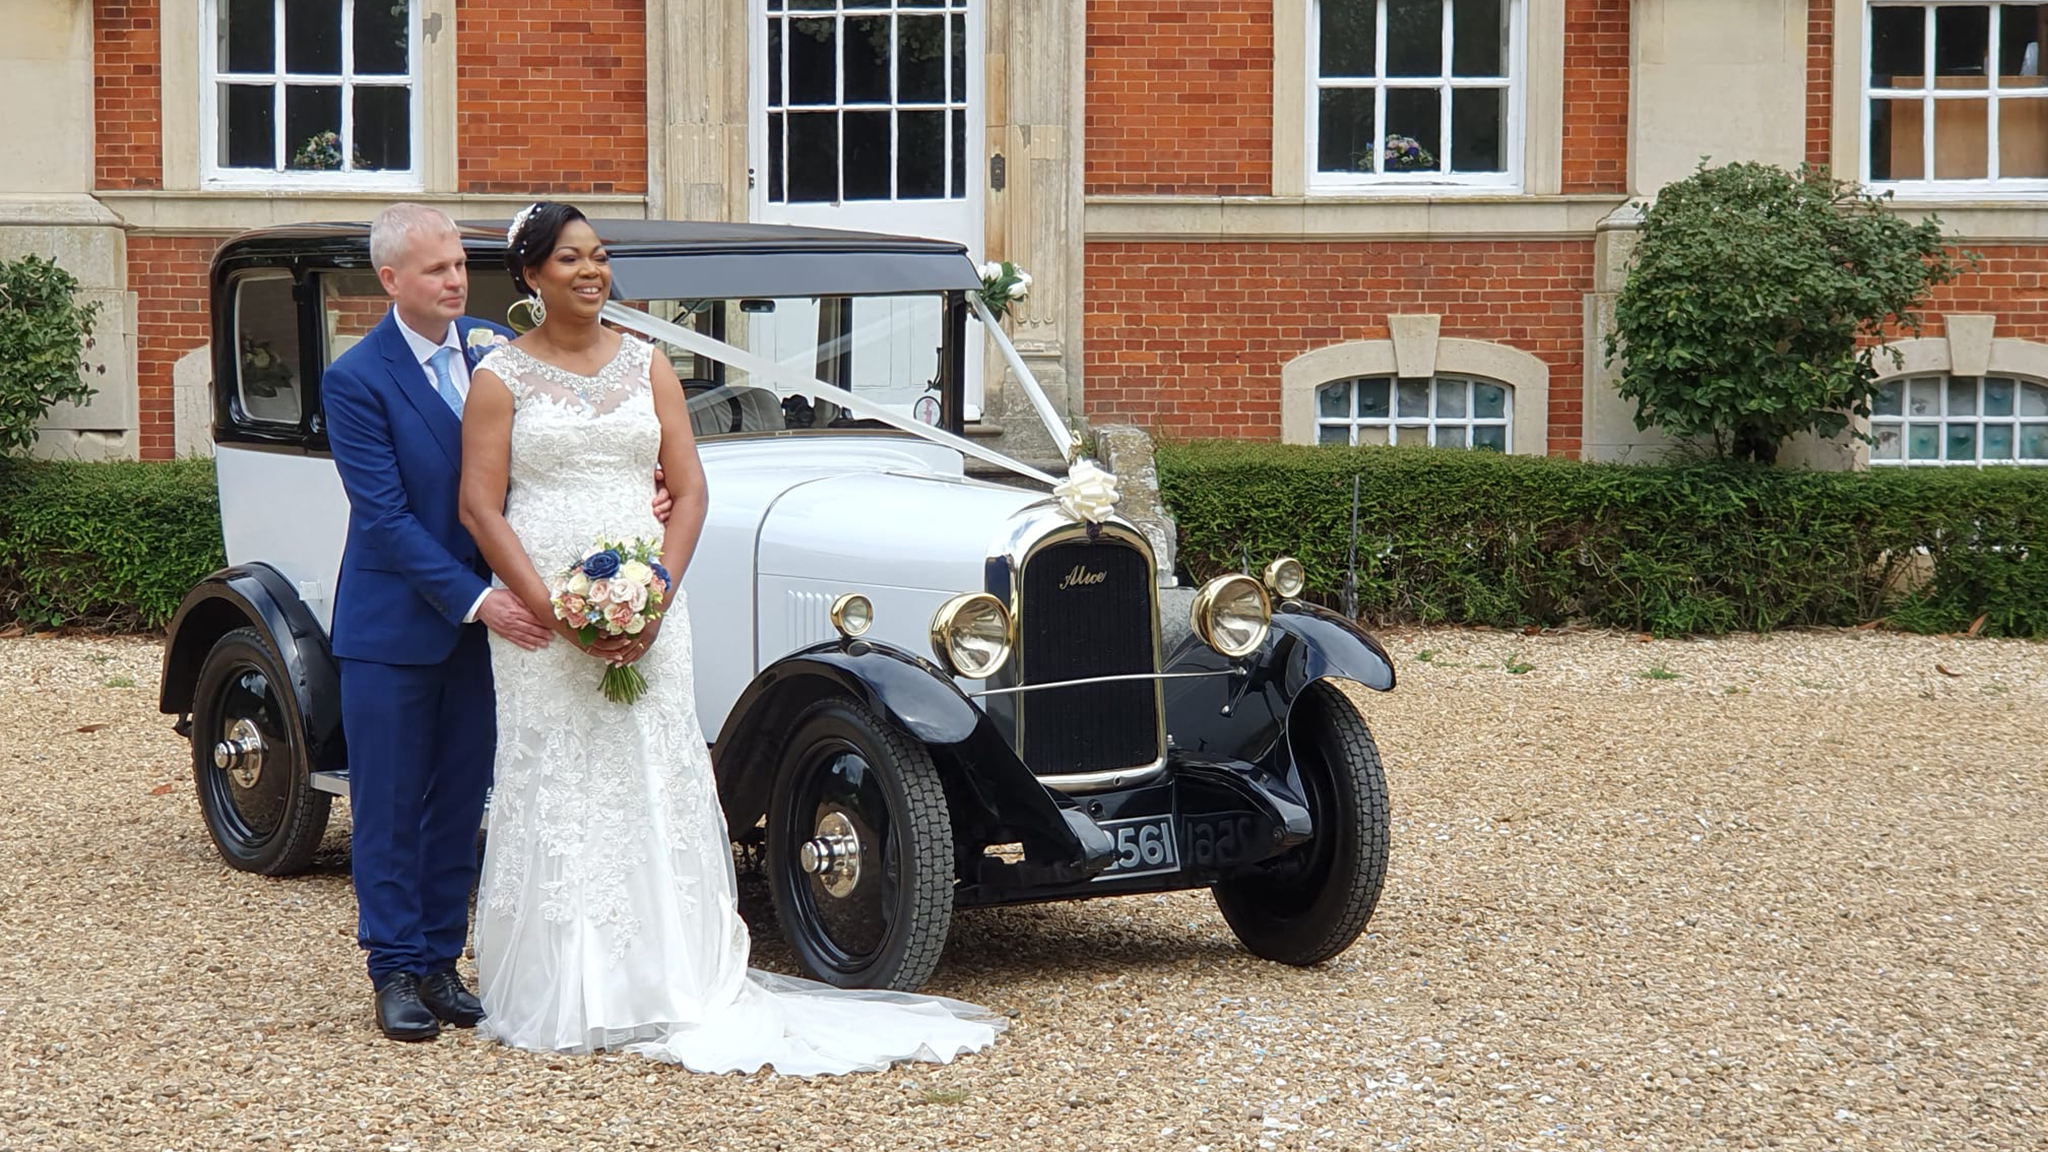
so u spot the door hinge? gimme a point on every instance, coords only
(995, 172)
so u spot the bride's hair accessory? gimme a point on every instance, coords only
(518, 222)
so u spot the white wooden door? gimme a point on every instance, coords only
(866, 115)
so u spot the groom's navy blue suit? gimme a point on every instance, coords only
(417, 706)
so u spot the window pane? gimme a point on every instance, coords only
(247, 139)
(775, 63)
(1895, 143)
(1962, 442)
(1923, 441)
(959, 153)
(1450, 399)
(384, 127)
(813, 157)
(2033, 400)
(1962, 38)
(776, 193)
(1489, 401)
(1887, 400)
(1476, 117)
(867, 156)
(813, 63)
(1997, 396)
(867, 60)
(1887, 446)
(958, 56)
(1925, 398)
(312, 36)
(1451, 436)
(1413, 398)
(921, 155)
(247, 37)
(1998, 442)
(1347, 44)
(1414, 437)
(1372, 399)
(921, 59)
(267, 333)
(1345, 132)
(1961, 140)
(1334, 400)
(1414, 126)
(2034, 441)
(312, 128)
(1898, 47)
(1479, 34)
(1333, 434)
(2023, 135)
(1962, 396)
(1415, 37)
(380, 36)
(2019, 41)
(1491, 437)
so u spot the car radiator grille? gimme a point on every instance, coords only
(1086, 609)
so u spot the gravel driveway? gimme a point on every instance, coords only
(1780, 892)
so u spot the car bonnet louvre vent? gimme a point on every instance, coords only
(1086, 610)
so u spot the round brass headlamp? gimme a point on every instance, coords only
(971, 635)
(1285, 577)
(852, 614)
(1231, 614)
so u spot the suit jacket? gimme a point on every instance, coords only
(409, 571)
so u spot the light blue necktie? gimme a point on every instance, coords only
(443, 382)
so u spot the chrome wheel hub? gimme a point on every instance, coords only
(241, 754)
(832, 854)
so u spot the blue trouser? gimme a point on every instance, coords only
(421, 738)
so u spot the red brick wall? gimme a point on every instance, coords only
(1596, 96)
(2010, 283)
(552, 97)
(168, 276)
(1820, 79)
(1188, 339)
(127, 99)
(1180, 97)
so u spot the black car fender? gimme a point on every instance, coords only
(1240, 710)
(257, 596)
(986, 785)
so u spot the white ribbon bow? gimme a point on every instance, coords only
(1088, 493)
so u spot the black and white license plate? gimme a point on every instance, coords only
(1144, 845)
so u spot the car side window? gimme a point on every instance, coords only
(267, 336)
(351, 303)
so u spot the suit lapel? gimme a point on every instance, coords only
(409, 378)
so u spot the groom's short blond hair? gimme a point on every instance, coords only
(395, 227)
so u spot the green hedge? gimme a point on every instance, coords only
(1450, 536)
(105, 545)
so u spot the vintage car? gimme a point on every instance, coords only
(925, 689)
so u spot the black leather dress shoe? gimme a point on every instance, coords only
(401, 1014)
(443, 994)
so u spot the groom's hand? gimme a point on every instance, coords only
(505, 614)
(663, 502)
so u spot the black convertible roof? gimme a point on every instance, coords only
(676, 259)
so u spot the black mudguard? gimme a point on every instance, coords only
(258, 596)
(1244, 716)
(988, 788)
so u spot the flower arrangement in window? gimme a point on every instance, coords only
(322, 153)
(1406, 154)
(264, 372)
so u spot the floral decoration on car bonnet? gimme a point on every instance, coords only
(1089, 492)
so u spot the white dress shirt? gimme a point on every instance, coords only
(423, 350)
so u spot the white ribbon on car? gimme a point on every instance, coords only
(1088, 493)
(762, 368)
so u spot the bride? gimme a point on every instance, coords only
(607, 916)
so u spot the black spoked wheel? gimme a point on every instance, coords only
(249, 760)
(860, 850)
(1311, 903)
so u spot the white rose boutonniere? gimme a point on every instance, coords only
(485, 338)
(1088, 493)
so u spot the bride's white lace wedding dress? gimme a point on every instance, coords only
(607, 916)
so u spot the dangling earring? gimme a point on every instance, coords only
(540, 311)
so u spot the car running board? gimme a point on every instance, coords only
(334, 782)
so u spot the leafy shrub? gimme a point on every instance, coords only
(107, 545)
(44, 332)
(1450, 536)
(1754, 300)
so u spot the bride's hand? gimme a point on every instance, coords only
(636, 646)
